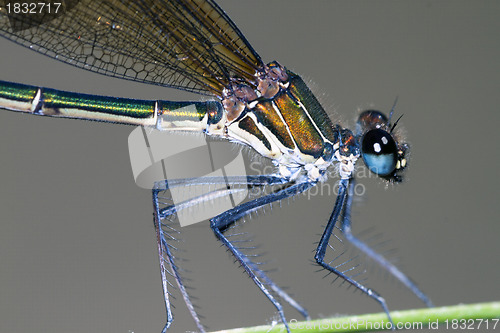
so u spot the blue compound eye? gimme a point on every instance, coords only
(379, 152)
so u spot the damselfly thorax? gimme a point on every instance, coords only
(281, 119)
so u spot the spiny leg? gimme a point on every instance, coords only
(383, 262)
(323, 245)
(222, 222)
(165, 255)
(230, 180)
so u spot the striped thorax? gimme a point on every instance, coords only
(282, 120)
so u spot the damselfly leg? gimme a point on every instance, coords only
(167, 259)
(222, 222)
(324, 243)
(219, 225)
(378, 258)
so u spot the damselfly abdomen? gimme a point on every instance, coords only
(194, 46)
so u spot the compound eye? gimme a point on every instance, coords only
(379, 152)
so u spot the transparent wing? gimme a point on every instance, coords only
(190, 45)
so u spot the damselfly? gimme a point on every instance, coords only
(194, 46)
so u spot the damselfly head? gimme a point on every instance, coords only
(380, 147)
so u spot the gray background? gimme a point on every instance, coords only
(77, 246)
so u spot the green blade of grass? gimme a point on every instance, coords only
(474, 316)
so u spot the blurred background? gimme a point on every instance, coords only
(77, 244)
